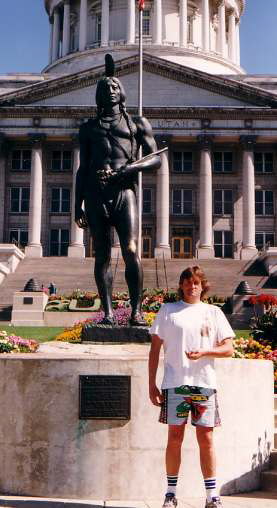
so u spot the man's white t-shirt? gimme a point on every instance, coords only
(185, 327)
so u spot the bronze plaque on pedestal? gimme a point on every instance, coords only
(105, 397)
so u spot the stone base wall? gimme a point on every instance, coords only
(45, 450)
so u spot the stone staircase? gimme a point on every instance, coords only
(269, 478)
(69, 274)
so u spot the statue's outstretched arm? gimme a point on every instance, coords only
(145, 139)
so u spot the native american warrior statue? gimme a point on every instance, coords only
(106, 183)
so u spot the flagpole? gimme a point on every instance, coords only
(141, 5)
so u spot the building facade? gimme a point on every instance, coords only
(215, 194)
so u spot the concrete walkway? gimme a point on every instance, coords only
(249, 500)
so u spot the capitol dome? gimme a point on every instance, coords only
(201, 34)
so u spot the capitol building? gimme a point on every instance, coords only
(215, 195)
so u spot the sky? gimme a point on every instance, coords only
(24, 36)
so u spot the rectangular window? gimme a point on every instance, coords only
(61, 160)
(182, 162)
(190, 29)
(263, 162)
(223, 244)
(21, 160)
(60, 200)
(98, 27)
(19, 237)
(264, 239)
(147, 201)
(59, 241)
(223, 202)
(222, 162)
(182, 202)
(145, 22)
(20, 199)
(264, 204)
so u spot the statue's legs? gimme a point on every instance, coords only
(126, 224)
(100, 229)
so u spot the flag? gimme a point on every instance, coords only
(141, 5)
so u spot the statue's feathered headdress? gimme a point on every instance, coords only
(109, 65)
(109, 75)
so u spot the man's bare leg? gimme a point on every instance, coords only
(207, 451)
(173, 461)
(208, 465)
(173, 450)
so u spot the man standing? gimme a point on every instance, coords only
(192, 333)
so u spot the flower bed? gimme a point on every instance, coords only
(15, 344)
(252, 349)
(264, 327)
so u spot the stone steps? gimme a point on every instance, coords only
(69, 274)
(269, 481)
(269, 478)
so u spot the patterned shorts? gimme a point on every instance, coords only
(178, 402)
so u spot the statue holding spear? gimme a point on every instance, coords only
(106, 184)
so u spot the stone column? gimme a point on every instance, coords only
(83, 25)
(222, 29)
(76, 248)
(205, 25)
(248, 185)
(56, 36)
(131, 20)
(205, 249)
(66, 28)
(105, 20)
(157, 36)
(232, 36)
(2, 187)
(162, 210)
(238, 42)
(34, 248)
(183, 25)
(51, 21)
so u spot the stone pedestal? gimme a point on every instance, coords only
(248, 253)
(28, 308)
(33, 251)
(205, 253)
(47, 451)
(115, 334)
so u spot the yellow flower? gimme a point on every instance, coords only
(72, 334)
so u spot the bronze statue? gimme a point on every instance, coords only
(106, 183)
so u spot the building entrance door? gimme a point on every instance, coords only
(181, 247)
(146, 246)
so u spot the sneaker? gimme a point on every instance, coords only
(214, 503)
(170, 501)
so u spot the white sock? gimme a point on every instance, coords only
(211, 490)
(172, 484)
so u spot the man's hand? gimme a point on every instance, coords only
(80, 219)
(155, 396)
(195, 355)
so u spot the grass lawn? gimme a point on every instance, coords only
(45, 334)
(39, 333)
(242, 333)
